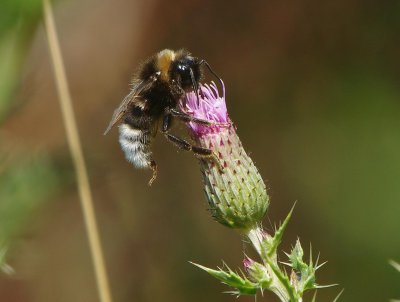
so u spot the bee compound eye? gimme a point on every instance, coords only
(182, 67)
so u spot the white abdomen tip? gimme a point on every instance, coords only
(136, 146)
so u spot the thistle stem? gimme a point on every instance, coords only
(255, 236)
(77, 155)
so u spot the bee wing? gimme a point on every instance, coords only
(118, 114)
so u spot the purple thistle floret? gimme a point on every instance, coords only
(234, 189)
(210, 106)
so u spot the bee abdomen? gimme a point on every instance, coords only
(136, 145)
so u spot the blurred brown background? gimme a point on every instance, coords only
(313, 87)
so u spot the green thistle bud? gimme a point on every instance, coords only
(257, 272)
(235, 191)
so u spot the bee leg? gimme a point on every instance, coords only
(188, 118)
(208, 155)
(167, 122)
(153, 167)
(195, 86)
(199, 152)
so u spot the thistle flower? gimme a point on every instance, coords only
(238, 199)
(234, 189)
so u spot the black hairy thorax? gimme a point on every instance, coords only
(157, 99)
(161, 96)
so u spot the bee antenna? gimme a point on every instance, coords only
(212, 71)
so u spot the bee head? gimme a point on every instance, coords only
(186, 72)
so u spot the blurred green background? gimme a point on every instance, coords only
(313, 87)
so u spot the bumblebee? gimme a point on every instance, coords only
(153, 102)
